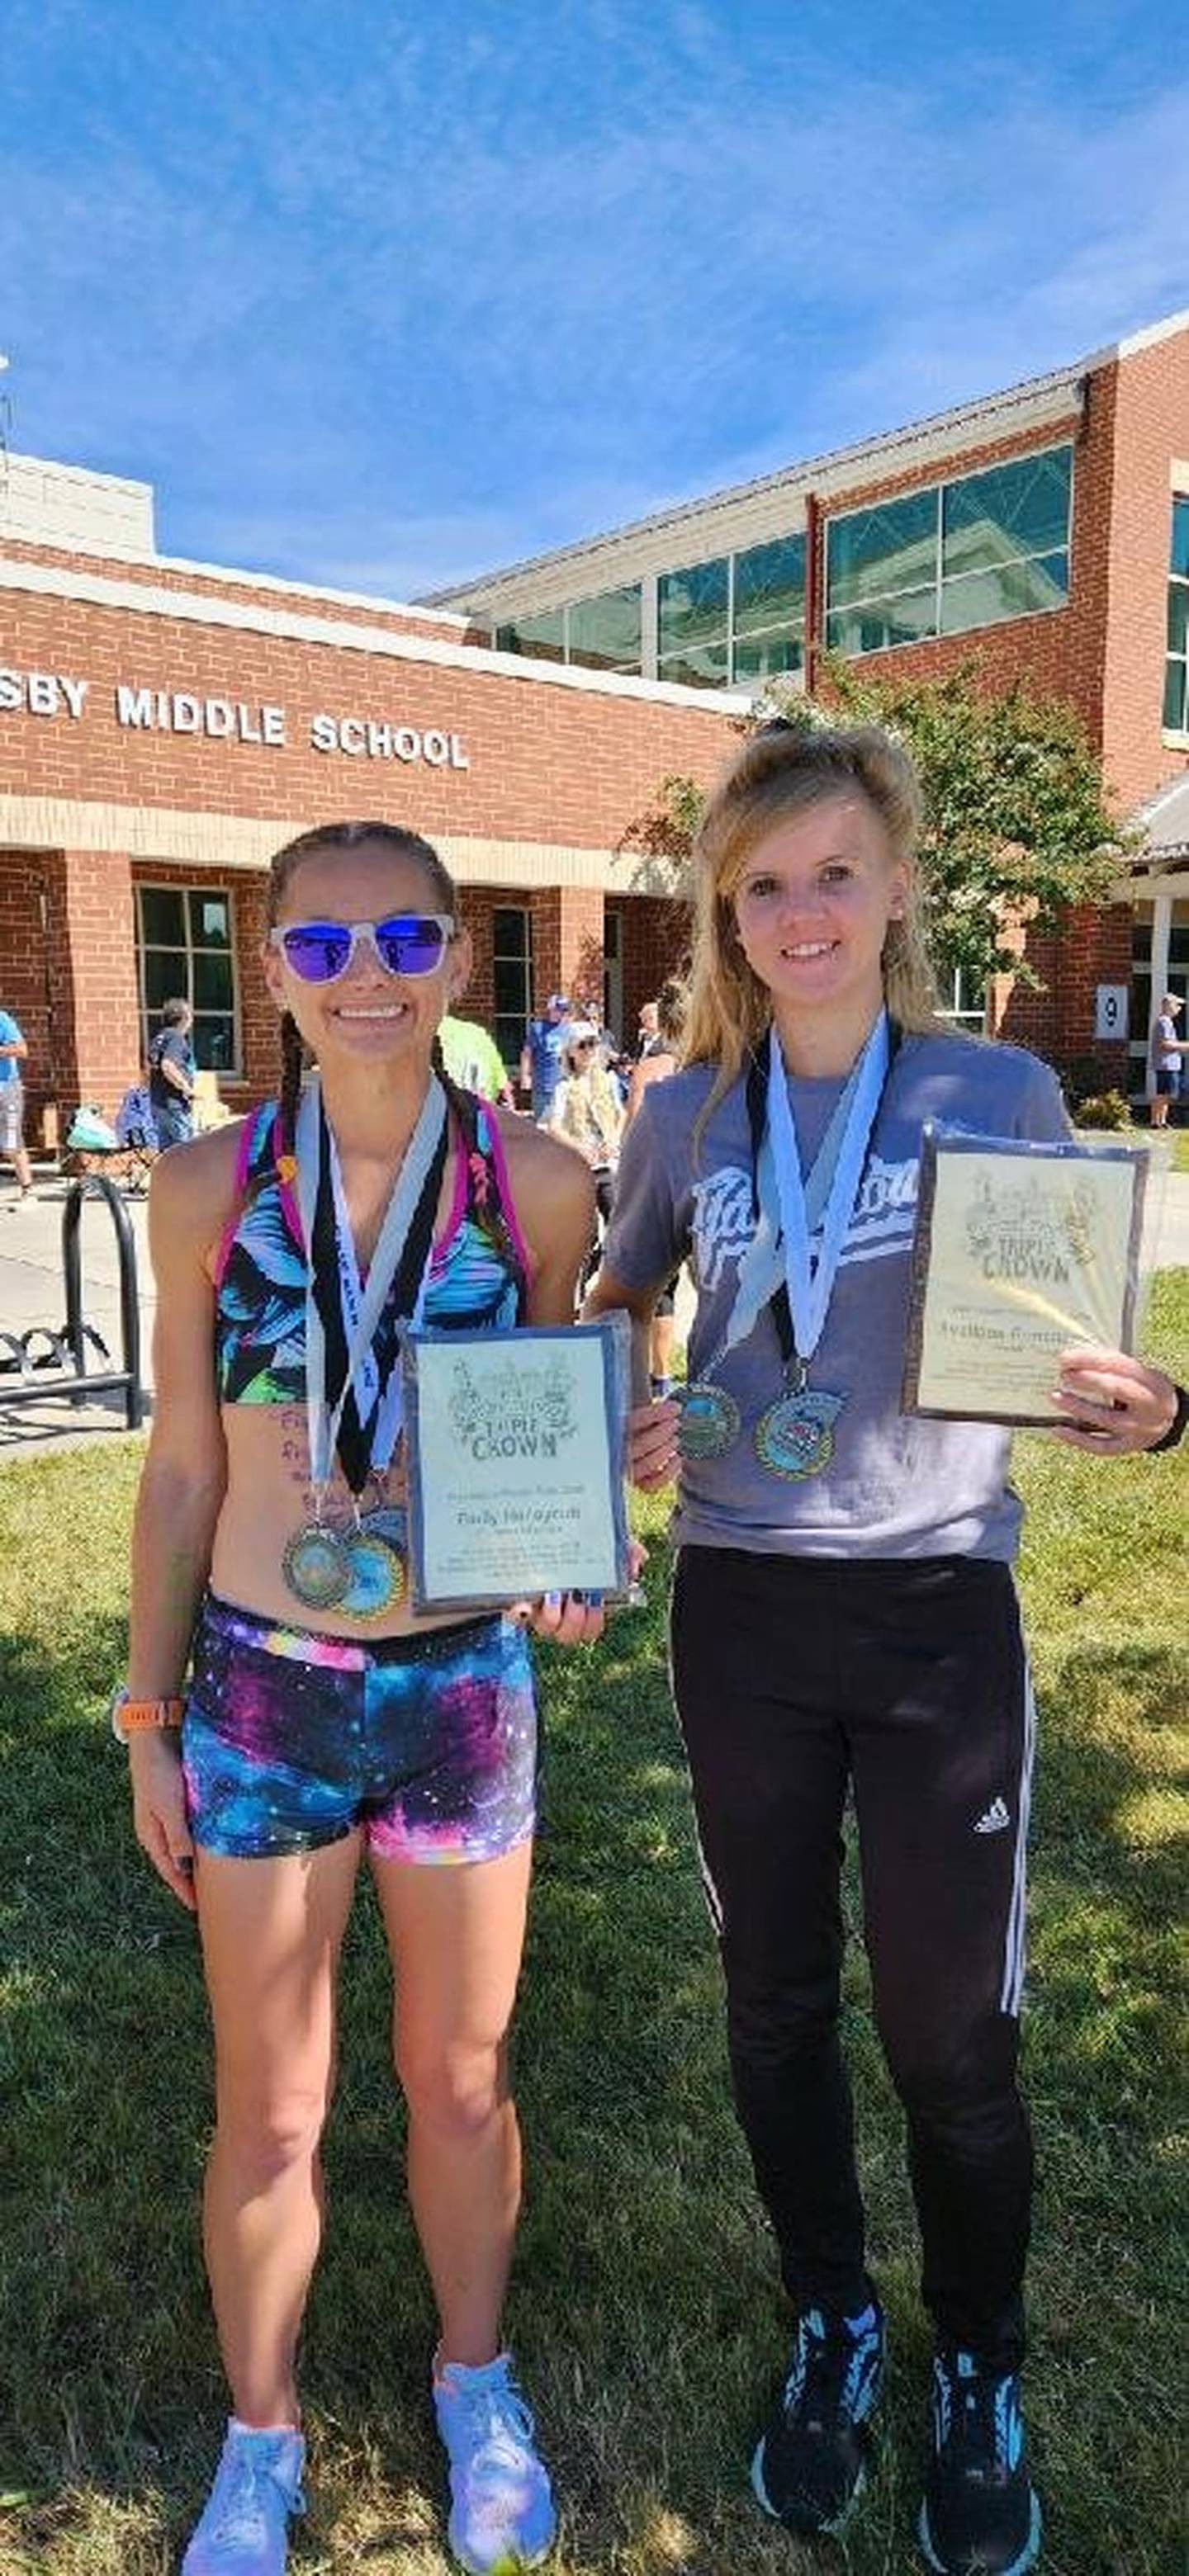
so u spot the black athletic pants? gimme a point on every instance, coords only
(906, 1680)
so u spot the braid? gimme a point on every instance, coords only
(293, 1066)
(456, 1100)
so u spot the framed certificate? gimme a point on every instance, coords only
(1021, 1252)
(517, 1452)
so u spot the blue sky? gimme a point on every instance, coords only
(380, 296)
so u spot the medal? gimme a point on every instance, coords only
(389, 1521)
(709, 1424)
(359, 1571)
(795, 1437)
(315, 1567)
(376, 1576)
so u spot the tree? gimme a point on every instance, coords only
(1016, 818)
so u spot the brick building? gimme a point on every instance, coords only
(1045, 528)
(164, 725)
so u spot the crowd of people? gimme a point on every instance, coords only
(844, 1617)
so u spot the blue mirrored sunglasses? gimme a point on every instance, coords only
(406, 943)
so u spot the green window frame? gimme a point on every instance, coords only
(185, 950)
(601, 633)
(976, 550)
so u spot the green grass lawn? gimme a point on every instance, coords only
(644, 2308)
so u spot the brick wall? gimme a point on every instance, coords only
(546, 763)
(1152, 427)
(1061, 649)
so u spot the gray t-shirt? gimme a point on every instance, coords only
(896, 1485)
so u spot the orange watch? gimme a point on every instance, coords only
(132, 1716)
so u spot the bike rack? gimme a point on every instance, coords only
(74, 1381)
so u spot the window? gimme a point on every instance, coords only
(966, 1006)
(184, 952)
(603, 633)
(512, 977)
(769, 610)
(543, 635)
(969, 553)
(1176, 674)
(737, 618)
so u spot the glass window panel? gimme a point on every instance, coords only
(872, 552)
(1178, 616)
(1176, 718)
(541, 633)
(605, 632)
(509, 927)
(756, 656)
(213, 988)
(1011, 510)
(163, 917)
(210, 919)
(692, 605)
(871, 629)
(770, 585)
(1004, 590)
(1141, 938)
(508, 983)
(705, 666)
(165, 977)
(213, 1040)
(1180, 534)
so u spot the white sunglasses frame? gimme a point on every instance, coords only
(357, 931)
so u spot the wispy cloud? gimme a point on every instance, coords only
(385, 304)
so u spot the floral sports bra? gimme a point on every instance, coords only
(478, 1274)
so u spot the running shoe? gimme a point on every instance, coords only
(810, 2465)
(244, 2528)
(980, 2516)
(501, 2508)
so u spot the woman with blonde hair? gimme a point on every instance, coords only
(844, 1617)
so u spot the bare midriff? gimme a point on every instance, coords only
(269, 1497)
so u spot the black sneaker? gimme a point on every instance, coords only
(980, 2516)
(811, 2463)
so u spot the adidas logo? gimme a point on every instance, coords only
(995, 1820)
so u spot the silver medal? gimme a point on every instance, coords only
(315, 1567)
(709, 1424)
(795, 1437)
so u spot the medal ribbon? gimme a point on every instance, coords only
(802, 1300)
(363, 1419)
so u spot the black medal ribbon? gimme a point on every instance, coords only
(354, 1442)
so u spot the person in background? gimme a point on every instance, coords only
(1168, 1059)
(844, 1616)
(541, 1057)
(656, 1061)
(13, 1050)
(648, 1027)
(171, 1075)
(473, 1060)
(587, 1112)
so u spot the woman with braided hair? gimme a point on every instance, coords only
(322, 1718)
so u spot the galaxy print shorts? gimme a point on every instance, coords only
(291, 1739)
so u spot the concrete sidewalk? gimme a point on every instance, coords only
(31, 1292)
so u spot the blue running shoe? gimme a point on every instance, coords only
(244, 2528)
(980, 2516)
(810, 2465)
(501, 2507)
